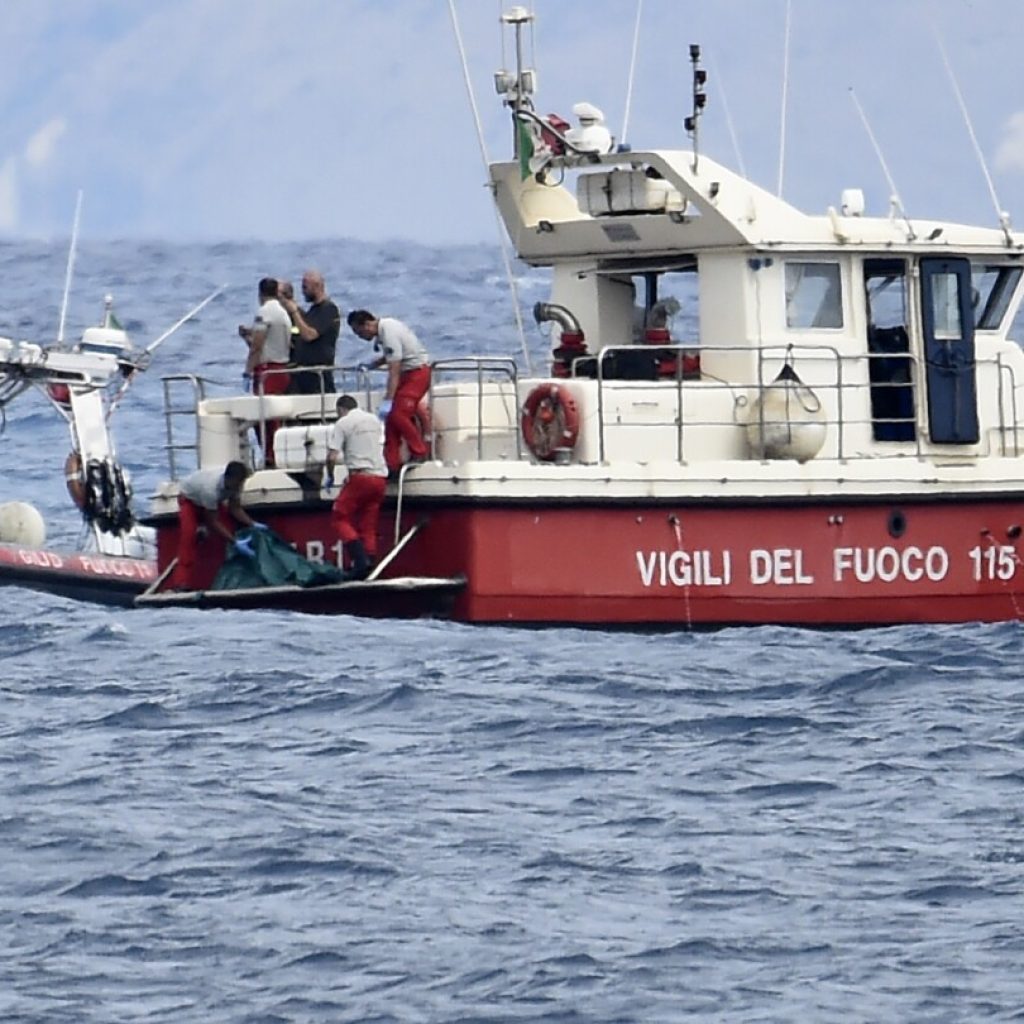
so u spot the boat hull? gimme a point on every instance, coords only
(812, 563)
(101, 579)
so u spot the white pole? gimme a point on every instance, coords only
(70, 269)
(506, 258)
(785, 95)
(632, 70)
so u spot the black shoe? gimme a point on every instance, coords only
(360, 562)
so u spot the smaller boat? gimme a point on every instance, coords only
(401, 597)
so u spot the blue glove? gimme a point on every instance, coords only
(244, 547)
(328, 481)
(247, 381)
(261, 527)
(384, 408)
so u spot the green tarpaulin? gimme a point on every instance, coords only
(277, 564)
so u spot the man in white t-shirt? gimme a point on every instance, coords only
(408, 381)
(210, 498)
(269, 340)
(355, 441)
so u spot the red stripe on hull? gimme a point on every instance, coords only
(710, 565)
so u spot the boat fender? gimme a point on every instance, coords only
(550, 421)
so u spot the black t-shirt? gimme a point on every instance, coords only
(325, 318)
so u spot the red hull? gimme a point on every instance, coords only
(104, 579)
(662, 565)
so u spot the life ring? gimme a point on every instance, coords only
(550, 420)
(75, 479)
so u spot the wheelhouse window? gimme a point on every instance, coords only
(814, 296)
(945, 296)
(992, 288)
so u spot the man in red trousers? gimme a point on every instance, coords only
(210, 498)
(356, 442)
(408, 381)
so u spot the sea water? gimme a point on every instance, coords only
(263, 817)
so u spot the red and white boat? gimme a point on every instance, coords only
(83, 383)
(833, 438)
(751, 414)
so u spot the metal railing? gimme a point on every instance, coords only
(173, 412)
(843, 375)
(504, 369)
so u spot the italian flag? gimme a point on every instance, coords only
(525, 150)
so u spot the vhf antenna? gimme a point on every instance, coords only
(894, 197)
(1001, 215)
(700, 99)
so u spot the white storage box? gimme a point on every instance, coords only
(302, 449)
(621, 191)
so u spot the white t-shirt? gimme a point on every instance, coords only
(273, 321)
(204, 487)
(400, 344)
(357, 437)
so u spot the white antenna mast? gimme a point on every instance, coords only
(506, 259)
(632, 70)
(70, 269)
(785, 101)
(728, 118)
(894, 196)
(1001, 215)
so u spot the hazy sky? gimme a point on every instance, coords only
(231, 119)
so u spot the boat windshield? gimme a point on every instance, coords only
(992, 289)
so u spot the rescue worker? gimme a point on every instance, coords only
(408, 381)
(210, 498)
(269, 340)
(355, 441)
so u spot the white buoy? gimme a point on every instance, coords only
(787, 420)
(22, 523)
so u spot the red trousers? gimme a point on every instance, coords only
(400, 425)
(356, 510)
(267, 383)
(198, 561)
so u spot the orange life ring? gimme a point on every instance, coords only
(550, 420)
(75, 479)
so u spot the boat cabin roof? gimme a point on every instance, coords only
(698, 204)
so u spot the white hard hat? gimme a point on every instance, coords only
(588, 112)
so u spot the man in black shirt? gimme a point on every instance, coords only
(317, 335)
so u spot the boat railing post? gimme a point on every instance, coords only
(430, 406)
(1000, 399)
(840, 418)
(515, 425)
(680, 455)
(479, 409)
(600, 407)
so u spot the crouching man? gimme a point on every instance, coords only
(356, 442)
(211, 498)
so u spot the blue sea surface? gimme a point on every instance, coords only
(262, 817)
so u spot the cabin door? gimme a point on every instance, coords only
(890, 368)
(947, 320)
